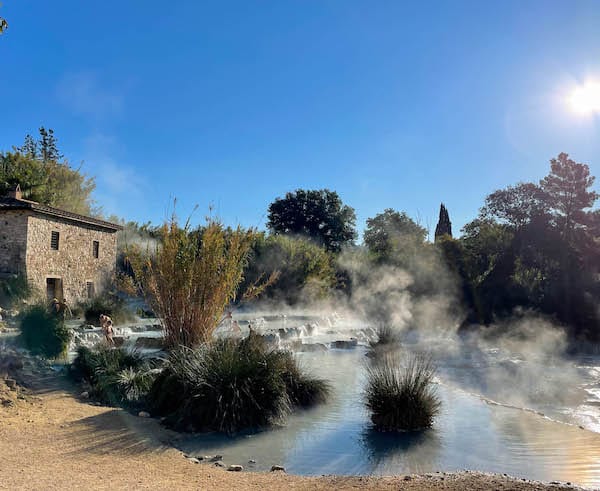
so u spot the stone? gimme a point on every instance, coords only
(11, 384)
(311, 348)
(235, 468)
(407, 478)
(25, 246)
(193, 460)
(345, 344)
(85, 395)
(219, 463)
(143, 414)
(252, 461)
(276, 468)
(215, 458)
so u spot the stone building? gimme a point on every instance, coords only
(63, 255)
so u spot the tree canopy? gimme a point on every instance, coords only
(444, 225)
(44, 176)
(318, 214)
(392, 233)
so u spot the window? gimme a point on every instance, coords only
(96, 249)
(90, 289)
(54, 240)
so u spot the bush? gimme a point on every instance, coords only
(14, 290)
(108, 304)
(386, 336)
(401, 398)
(43, 332)
(230, 385)
(115, 376)
(192, 277)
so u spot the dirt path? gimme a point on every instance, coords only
(53, 441)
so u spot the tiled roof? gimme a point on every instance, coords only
(7, 203)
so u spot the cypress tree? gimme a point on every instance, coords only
(444, 226)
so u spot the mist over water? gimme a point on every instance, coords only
(513, 399)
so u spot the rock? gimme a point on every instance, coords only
(345, 344)
(85, 395)
(219, 463)
(311, 348)
(215, 458)
(7, 403)
(193, 460)
(235, 468)
(276, 468)
(252, 461)
(407, 478)
(143, 414)
(11, 384)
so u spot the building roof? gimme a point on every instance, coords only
(11, 203)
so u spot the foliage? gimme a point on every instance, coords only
(43, 332)
(401, 398)
(192, 276)
(393, 236)
(107, 303)
(386, 335)
(318, 214)
(43, 175)
(444, 226)
(537, 247)
(305, 269)
(14, 290)
(115, 376)
(230, 385)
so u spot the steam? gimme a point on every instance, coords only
(520, 362)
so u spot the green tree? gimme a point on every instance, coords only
(515, 205)
(318, 214)
(305, 269)
(393, 235)
(567, 194)
(44, 176)
(444, 225)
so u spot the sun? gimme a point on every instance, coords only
(585, 99)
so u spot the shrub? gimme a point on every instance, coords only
(108, 304)
(43, 332)
(386, 335)
(115, 376)
(14, 290)
(401, 398)
(230, 385)
(192, 277)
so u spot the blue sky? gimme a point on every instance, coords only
(231, 104)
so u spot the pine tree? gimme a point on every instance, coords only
(444, 226)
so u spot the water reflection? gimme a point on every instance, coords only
(414, 451)
(469, 433)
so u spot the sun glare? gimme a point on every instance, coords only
(585, 99)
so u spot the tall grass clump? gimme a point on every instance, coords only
(230, 385)
(43, 332)
(115, 376)
(192, 276)
(386, 336)
(401, 398)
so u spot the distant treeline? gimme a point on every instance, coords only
(533, 246)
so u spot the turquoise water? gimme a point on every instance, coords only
(469, 433)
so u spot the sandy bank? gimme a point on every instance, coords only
(51, 440)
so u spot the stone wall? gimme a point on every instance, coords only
(73, 262)
(13, 238)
